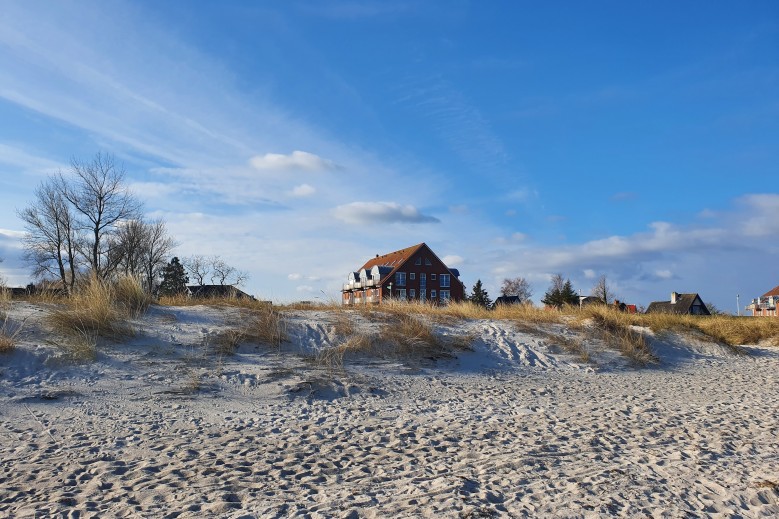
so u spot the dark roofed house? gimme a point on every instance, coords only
(217, 292)
(689, 304)
(410, 274)
(507, 300)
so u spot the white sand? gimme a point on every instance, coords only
(514, 428)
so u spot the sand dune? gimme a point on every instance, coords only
(155, 427)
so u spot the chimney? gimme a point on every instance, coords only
(674, 296)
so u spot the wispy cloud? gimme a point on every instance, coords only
(458, 123)
(381, 212)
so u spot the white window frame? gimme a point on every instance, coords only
(418, 261)
(432, 294)
(428, 262)
(445, 295)
(400, 279)
(412, 276)
(412, 293)
(445, 281)
(401, 293)
(432, 277)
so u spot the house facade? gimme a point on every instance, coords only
(410, 274)
(690, 304)
(765, 305)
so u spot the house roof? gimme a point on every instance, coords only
(393, 259)
(683, 304)
(773, 292)
(217, 291)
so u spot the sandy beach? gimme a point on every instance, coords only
(516, 427)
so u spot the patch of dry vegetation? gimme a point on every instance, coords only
(97, 309)
(264, 324)
(129, 297)
(355, 344)
(616, 329)
(573, 345)
(8, 333)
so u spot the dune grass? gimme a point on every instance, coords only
(98, 309)
(8, 333)
(617, 331)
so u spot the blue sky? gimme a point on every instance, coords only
(297, 139)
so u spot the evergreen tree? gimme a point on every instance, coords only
(174, 279)
(560, 293)
(569, 295)
(480, 296)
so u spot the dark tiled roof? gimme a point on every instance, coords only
(773, 292)
(507, 300)
(217, 291)
(683, 304)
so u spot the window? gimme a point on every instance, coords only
(418, 261)
(400, 279)
(432, 294)
(412, 276)
(401, 293)
(427, 262)
(412, 293)
(422, 294)
(445, 280)
(445, 295)
(432, 277)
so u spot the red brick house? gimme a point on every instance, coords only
(765, 305)
(410, 274)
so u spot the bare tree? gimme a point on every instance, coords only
(141, 250)
(226, 274)
(198, 268)
(603, 291)
(214, 268)
(101, 199)
(157, 246)
(518, 287)
(51, 241)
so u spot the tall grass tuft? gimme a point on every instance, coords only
(94, 311)
(8, 333)
(617, 331)
(264, 324)
(354, 344)
(129, 296)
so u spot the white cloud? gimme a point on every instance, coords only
(381, 212)
(664, 274)
(303, 190)
(297, 160)
(452, 260)
(589, 273)
(294, 277)
(519, 236)
(308, 289)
